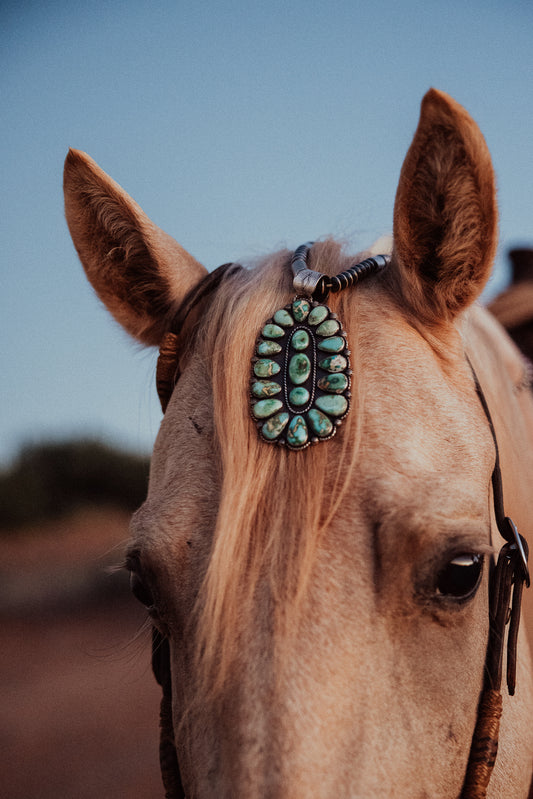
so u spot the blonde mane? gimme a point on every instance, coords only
(275, 504)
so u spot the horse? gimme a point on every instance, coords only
(317, 550)
(513, 307)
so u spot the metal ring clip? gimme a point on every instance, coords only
(515, 539)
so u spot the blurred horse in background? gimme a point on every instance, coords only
(513, 308)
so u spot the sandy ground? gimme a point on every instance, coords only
(79, 706)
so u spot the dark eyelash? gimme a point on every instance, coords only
(132, 561)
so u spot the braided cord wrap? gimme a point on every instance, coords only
(357, 272)
(167, 368)
(318, 286)
(484, 745)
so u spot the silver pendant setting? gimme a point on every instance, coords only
(300, 386)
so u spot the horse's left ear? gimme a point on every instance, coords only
(445, 214)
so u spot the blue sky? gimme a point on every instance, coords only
(239, 127)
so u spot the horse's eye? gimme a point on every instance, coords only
(460, 577)
(140, 591)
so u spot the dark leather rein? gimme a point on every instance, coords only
(506, 584)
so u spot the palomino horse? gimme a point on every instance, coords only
(321, 613)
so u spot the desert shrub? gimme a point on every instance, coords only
(51, 479)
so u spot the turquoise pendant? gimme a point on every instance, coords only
(300, 376)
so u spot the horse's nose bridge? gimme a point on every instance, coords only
(307, 728)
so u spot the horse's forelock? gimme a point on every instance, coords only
(275, 504)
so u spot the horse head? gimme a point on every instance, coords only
(322, 611)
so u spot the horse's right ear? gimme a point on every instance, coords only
(139, 272)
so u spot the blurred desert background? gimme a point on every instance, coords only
(79, 710)
(239, 128)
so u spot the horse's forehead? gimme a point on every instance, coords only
(422, 436)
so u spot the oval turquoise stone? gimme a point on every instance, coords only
(274, 426)
(299, 396)
(318, 315)
(299, 368)
(334, 405)
(297, 433)
(272, 331)
(320, 424)
(266, 407)
(266, 368)
(283, 318)
(335, 363)
(334, 344)
(335, 383)
(328, 328)
(268, 348)
(300, 309)
(300, 340)
(264, 388)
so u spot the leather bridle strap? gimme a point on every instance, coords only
(512, 568)
(167, 375)
(168, 759)
(505, 594)
(167, 372)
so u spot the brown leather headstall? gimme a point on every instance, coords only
(168, 759)
(168, 371)
(505, 595)
(167, 375)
